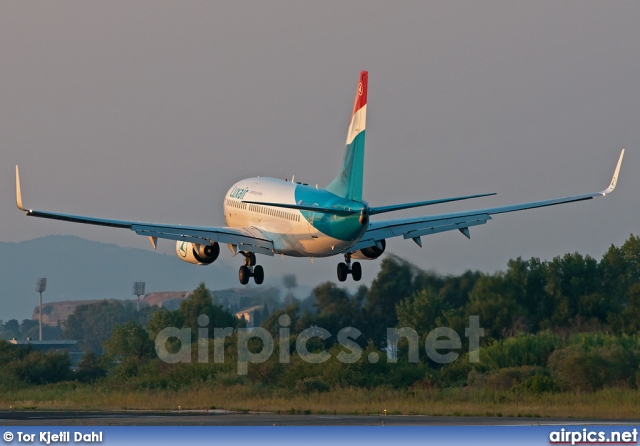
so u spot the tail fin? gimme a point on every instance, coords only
(348, 183)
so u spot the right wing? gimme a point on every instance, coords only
(416, 227)
(245, 239)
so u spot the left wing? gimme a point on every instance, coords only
(416, 227)
(246, 239)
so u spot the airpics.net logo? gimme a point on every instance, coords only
(589, 436)
(442, 345)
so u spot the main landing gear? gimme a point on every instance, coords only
(250, 269)
(345, 268)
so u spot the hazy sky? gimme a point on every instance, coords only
(150, 110)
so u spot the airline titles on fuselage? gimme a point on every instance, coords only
(238, 193)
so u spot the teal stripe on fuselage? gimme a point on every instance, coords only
(339, 227)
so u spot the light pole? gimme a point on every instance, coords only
(138, 290)
(41, 285)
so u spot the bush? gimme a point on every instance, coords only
(128, 349)
(510, 377)
(10, 352)
(229, 379)
(522, 350)
(41, 368)
(311, 385)
(538, 383)
(578, 368)
(90, 368)
(457, 373)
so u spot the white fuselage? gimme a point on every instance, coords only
(290, 229)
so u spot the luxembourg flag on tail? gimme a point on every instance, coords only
(359, 113)
(348, 183)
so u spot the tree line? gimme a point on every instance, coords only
(570, 323)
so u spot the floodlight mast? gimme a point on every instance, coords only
(138, 290)
(41, 286)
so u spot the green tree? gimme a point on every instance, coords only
(10, 352)
(12, 328)
(455, 290)
(393, 284)
(330, 299)
(91, 368)
(627, 321)
(614, 273)
(526, 281)
(41, 368)
(92, 324)
(257, 318)
(498, 309)
(619, 271)
(579, 368)
(129, 341)
(569, 278)
(335, 309)
(201, 303)
(162, 319)
(272, 323)
(421, 312)
(265, 313)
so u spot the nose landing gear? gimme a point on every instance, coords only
(250, 269)
(345, 268)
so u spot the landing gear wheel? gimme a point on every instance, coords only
(244, 274)
(356, 271)
(343, 271)
(258, 275)
(252, 259)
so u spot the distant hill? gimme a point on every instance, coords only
(79, 269)
(169, 300)
(55, 312)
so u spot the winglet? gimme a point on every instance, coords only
(18, 193)
(614, 180)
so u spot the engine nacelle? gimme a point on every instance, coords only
(197, 254)
(370, 253)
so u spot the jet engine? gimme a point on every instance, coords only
(196, 253)
(371, 252)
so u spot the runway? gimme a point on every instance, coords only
(225, 418)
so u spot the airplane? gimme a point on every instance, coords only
(272, 216)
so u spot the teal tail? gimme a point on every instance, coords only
(348, 183)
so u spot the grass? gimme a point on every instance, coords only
(607, 403)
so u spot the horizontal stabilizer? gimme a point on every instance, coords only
(398, 207)
(302, 207)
